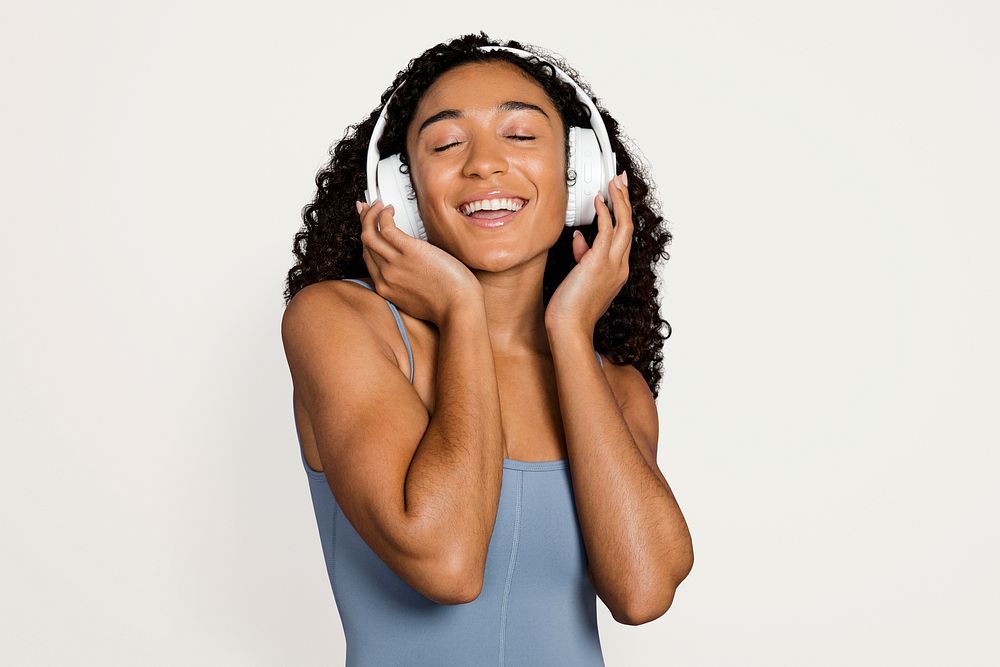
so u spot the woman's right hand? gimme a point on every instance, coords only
(417, 276)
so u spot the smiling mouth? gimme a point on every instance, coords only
(492, 219)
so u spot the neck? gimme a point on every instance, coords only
(515, 312)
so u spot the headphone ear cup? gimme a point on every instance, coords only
(571, 190)
(394, 188)
(586, 162)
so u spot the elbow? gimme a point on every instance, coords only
(461, 590)
(457, 581)
(652, 608)
(639, 614)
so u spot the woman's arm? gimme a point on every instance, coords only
(455, 476)
(637, 540)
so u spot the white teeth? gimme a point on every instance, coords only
(491, 205)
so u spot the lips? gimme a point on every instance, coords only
(492, 194)
(494, 223)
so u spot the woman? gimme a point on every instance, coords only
(479, 473)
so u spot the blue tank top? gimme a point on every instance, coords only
(537, 605)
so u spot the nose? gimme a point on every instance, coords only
(485, 158)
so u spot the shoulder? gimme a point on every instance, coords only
(331, 303)
(333, 296)
(332, 292)
(316, 304)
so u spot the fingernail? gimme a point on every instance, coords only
(577, 233)
(358, 205)
(600, 195)
(624, 178)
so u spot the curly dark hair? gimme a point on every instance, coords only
(329, 246)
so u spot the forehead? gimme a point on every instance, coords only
(476, 88)
(484, 76)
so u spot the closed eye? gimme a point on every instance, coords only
(513, 136)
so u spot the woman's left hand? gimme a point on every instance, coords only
(601, 269)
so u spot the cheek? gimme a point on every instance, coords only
(556, 188)
(426, 187)
(434, 182)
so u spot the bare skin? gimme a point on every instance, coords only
(509, 264)
(532, 423)
(555, 402)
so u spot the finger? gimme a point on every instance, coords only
(372, 262)
(623, 218)
(390, 232)
(370, 234)
(372, 258)
(580, 247)
(375, 254)
(602, 242)
(623, 189)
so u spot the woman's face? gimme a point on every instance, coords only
(472, 149)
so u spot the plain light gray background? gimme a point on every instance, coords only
(829, 407)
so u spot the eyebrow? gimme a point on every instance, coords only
(509, 105)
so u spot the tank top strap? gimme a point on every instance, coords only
(399, 322)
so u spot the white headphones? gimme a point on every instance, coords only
(590, 156)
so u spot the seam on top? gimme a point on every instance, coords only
(510, 566)
(535, 466)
